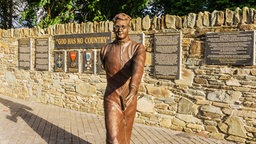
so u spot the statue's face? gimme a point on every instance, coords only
(121, 29)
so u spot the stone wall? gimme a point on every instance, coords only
(210, 100)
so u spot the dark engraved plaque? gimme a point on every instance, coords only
(139, 38)
(233, 48)
(78, 41)
(59, 61)
(88, 61)
(42, 54)
(72, 61)
(24, 53)
(167, 55)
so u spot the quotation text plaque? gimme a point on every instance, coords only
(167, 55)
(24, 53)
(231, 48)
(42, 54)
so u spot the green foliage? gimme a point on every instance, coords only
(98, 10)
(52, 12)
(5, 14)
(231, 4)
(183, 7)
(133, 8)
(44, 13)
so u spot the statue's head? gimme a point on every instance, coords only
(121, 25)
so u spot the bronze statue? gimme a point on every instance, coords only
(123, 61)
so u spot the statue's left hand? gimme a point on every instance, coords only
(130, 96)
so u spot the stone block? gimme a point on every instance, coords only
(157, 91)
(146, 23)
(188, 130)
(177, 128)
(138, 25)
(186, 106)
(233, 82)
(89, 27)
(245, 16)
(186, 41)
(185, 22)
(85, 89)
(178, 22)
(211, 109)
(166, 122)
(110, 26)
(220, 18)
(236, 139)
(191, 20)
(236, 126)
(226, 97)
(149, 59)
(161, 106)
(237, 16)
(212, 129)
(223, 127)
(250, 129)
(170, 21)
(202, 81)
(202, 102)
(145, 105)
(101, 26)
(178, 122)
(213, 18)
(195, 49)
(196, 127)
(106, 26)
(199, 21)
(206, 19)
(188, 118)
(186, 78)
(229, 17)
(217, 135)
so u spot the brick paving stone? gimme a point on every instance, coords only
(24, 122)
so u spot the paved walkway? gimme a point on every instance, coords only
(23, 122)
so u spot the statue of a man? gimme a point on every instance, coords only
(123, 61)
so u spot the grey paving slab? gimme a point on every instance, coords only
(24, 122)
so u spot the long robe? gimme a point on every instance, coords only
(123, 62)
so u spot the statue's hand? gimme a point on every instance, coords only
(130, 96)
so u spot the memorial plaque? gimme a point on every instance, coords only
(42, 54)
(59, 61)
(139, 38)
(232, 48)
(88, 61)
(78, 41)
(167, 55)
(72, 61)
(24, 53)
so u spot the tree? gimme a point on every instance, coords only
(223, 4)
(47, 12)
(134, 8)
(6, 11)
(10, 13)
(98, 10)
(183, 7)
(43, 13)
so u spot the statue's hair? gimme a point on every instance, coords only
(121, 16)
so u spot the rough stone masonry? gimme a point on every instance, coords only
(216, 101)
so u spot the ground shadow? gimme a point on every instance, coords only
(51, 133)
